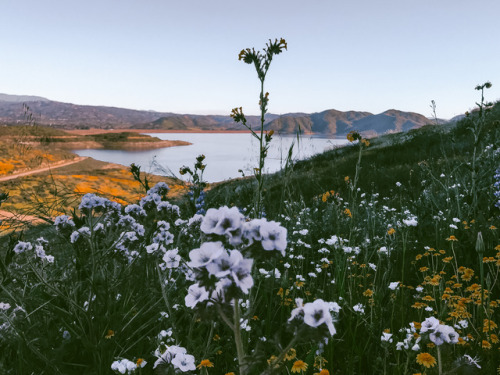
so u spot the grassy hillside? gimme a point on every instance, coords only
(382, 257)
(409, 158)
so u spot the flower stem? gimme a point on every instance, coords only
(440, 365)
(237, 338)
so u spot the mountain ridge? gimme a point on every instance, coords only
(329, 122)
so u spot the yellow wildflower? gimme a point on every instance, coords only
(426, 359)
(205, 363)
(299, 366)
(109, 334)
(391, 231)
(368, 293)
(291, 355)
(452, 238)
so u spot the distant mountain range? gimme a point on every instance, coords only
(329, 122)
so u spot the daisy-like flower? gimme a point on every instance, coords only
(426, 359)
(141, 362)
(291, 355)
(205, 363)
(207, 252)
(196, 294)
(299, 366)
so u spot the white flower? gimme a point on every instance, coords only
(63, 221)
(160, 188)
(333, 240)
(222, 265)
(207, 252)
(386, 337)
(172, 258)
(394, 285)
(271, 234)
(453, 226)
(383, 250)
(442, 334)
(196, 294)
(4, 306)
(153, 248)
(419, 289)
(241, 275)
(184, 362)
(298, 310)
(359, 308)
(222, 221)
(472, 361)
(429, 324)
(449, 334)
(372, 266)
(124, 366)
(21, 247)
(398, 184)
(317, 313)
(334, 306)
(410, 221)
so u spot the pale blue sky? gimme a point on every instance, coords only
(182, 56)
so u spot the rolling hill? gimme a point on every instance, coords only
(72, 116)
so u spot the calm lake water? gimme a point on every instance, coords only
(225, 153)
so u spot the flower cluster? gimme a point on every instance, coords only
(125, 366)
(439, 333)
(39, 250)
(220, 268)
(175, 357)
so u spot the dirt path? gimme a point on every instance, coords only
(44, 169)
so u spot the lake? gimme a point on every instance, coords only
(225, 153)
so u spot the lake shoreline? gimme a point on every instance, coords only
(180, 131)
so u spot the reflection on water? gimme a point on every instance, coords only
(225, 153)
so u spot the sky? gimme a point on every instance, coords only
(181, 56)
